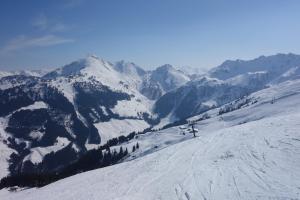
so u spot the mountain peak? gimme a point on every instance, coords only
(275, 64)
(189, 70)
(76, 67)
(165, 67)
(128, 68)
(94, 59)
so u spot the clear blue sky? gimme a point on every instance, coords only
(200, 33)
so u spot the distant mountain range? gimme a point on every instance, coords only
(37, 72)
(60, 114)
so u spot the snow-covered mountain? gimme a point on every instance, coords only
(5, 73)
(225, 83)
(131, 70)
(249, 153)
(192, 71)
(35, 72)
(276, 65)
(85, 104)
(162, 80)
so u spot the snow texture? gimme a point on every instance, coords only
(115, 128)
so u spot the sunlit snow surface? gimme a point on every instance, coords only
(117, 127)
(251, 153)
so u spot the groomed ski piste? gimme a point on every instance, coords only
(250, 153)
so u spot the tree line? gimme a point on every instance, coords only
(90, 160)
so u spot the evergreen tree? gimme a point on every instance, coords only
(107, 158)
(121, 151)
(115, 153)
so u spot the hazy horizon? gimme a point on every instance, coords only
(149, 68)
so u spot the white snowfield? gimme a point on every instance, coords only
(116, 127)
(34, 106)
(250, 153)
(37, 154)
